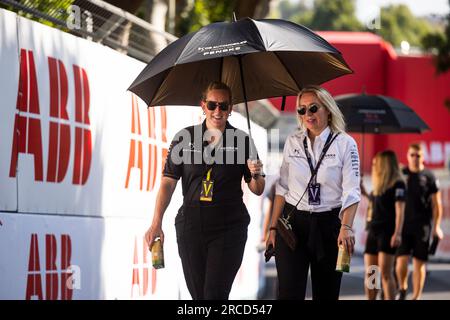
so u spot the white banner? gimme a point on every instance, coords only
(9, 77)
(89, 158)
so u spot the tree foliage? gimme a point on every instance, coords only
(203, 12)
(399, 24)
(439, 43)
(338, 15)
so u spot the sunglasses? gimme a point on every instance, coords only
(212, 105)
(313, 108)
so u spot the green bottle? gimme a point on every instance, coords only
(157, 254)
(343, 260)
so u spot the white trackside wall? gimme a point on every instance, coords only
(80, 167)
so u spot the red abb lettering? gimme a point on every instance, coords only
(34, 281)
(152, 156)
(27, 124)
(135, 281)
(59, 136)
(51, 274)
(27, 137)
(66, 256)
(135, 157)
(83, 139)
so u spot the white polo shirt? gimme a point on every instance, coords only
(338, 175)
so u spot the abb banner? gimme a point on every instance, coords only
(80, 167)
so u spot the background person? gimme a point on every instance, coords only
(384, 232)
(423, 213)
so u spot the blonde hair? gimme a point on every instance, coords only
(336, 120)
(385, 172)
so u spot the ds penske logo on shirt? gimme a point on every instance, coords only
(295, 153)
(191, 148)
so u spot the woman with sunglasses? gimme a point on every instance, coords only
(385, 228)
(211, 159)
(319, 190)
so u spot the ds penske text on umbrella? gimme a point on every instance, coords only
(257, 59)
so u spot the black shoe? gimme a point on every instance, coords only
(402, 295)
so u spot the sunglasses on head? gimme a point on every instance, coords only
(212, 105)
(312, 108)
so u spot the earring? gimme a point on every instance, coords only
(229, 114)
(204, 112)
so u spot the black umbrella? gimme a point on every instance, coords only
(378, 114)
(256, 58)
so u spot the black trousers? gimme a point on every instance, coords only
(317, 248)
(211, 242)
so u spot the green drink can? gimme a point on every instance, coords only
(157, 254)
(343, 260)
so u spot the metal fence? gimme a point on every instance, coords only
(97, 21)
(104, 23)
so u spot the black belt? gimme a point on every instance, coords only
(334, 211)
(315, 238)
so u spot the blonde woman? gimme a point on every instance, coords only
(321, 209)
(385, 230)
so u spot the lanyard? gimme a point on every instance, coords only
(322, 155)
(208, 175)
(327, 145)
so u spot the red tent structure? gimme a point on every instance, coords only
(409, 78)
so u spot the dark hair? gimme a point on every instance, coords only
(416, 146)
(217, 85)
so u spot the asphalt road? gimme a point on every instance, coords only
(437, 285)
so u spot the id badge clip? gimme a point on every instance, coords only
(206, 194)
(314, 194)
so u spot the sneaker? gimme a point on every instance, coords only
(402, 295)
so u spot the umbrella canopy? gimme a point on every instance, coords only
(257, 59)
(379, 114)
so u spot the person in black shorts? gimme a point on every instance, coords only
(423, 214)
(384, 232)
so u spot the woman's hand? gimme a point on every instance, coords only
(396, 239)
(347, 239)
(152, 233)
(255, 167)
(437, 232)
(271, 238)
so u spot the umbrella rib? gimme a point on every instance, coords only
(287, 70)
